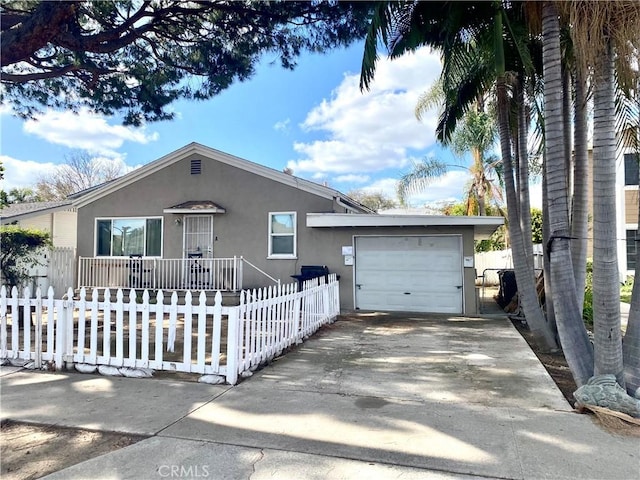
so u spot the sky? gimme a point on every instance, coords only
(314, 120)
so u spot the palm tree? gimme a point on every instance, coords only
(470, 36)
(476, 134)
(608, 36)
(573, 335)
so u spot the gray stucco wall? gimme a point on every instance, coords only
(328, 251)
(243, 229)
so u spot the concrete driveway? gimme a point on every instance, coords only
(371, 396)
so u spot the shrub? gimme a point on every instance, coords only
(19, 249)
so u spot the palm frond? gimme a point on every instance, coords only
(627, 104)
(421, 175)
(380, 28)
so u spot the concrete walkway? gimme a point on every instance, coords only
(369, 397)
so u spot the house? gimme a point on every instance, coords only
(628, 218)
(199, 218)
(56, 268)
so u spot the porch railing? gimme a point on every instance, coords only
(215, 274)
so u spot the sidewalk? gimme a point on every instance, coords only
(371, 396)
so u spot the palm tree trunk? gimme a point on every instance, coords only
(546, 234)
(523, 175)
(571, 329)
(525, 277)
(580, 205)
(606, 281)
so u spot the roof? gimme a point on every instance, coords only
(195, 206)
(483, 226)
(20, 211)
(198, 149)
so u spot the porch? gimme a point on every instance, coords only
(169, 274)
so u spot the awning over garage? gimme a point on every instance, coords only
(483, 227)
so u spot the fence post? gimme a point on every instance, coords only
(3, 322)
(233, 350)
(38, 333)
(235, 274)
(326, 307)
(61, 331)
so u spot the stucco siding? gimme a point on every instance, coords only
(241, 231)
(65, 229)
(630, 205)
(40, 222)
(327, 250)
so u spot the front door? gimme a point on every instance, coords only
(198, 236)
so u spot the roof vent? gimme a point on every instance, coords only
(196, 167)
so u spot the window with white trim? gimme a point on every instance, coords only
(282, 235)
(122, 237)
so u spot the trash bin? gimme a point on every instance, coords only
(508, 287)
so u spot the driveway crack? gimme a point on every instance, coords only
(253, 464)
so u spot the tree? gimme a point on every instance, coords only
(573, 335)
(78, 173)
(471, 39)
(497, 240)
(21, 249)
(376, 201)
(19, 195)
(137, 57)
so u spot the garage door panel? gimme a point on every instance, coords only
(415, 273)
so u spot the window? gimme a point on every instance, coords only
(630, 169)
(121, 237)
(632, 249)
(282, 235)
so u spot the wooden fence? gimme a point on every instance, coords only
(140, 332)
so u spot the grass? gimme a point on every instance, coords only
(625, 290)
(587, 309)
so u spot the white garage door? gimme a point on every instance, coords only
(412, 273)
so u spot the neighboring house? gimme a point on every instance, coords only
(628, 218)
(199, 218)
(59, 219)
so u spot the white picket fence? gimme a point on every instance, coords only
(144, 333)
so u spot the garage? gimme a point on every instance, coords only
(416, 273)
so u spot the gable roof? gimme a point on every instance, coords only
(20, 211)
(198, 149)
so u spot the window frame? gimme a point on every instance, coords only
(145, 239)
(629, 179)
(628, 229)
(280, 256)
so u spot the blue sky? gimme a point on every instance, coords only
(313, 119)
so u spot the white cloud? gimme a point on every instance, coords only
(85, 131)
(375, 130)
(283, 126)
(352, 178)
(23, 173)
